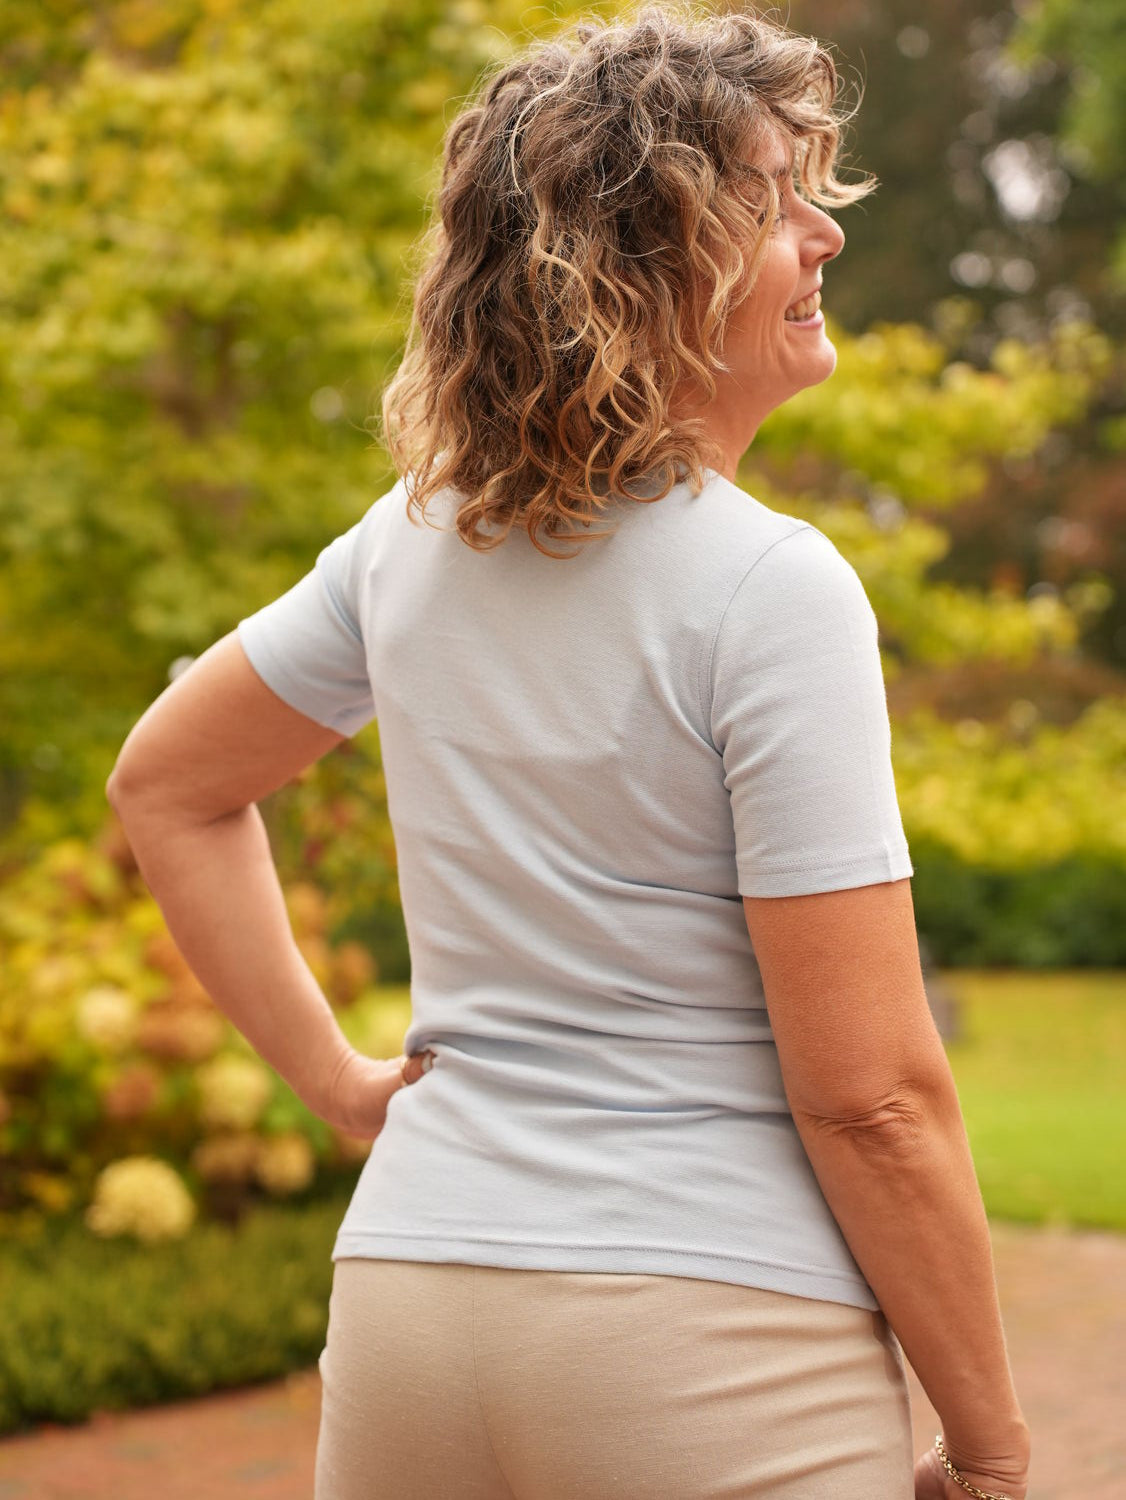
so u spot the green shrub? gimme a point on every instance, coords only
(94, 1325)
(1067, 914)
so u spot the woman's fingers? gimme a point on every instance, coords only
(412, 1068)
(363, 1086)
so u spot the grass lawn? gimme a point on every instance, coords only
(1041, 1073)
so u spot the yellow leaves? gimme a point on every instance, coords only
(962, 625)
(387, 1027)
(935, 621)
(467, 12)
(1088, 597)
(109, 171)
(427, 95)
(958, 376)
(1011, 358)
(896, 414)
(906, 348)
(19, 203)
(139, 26)
(50, 168)
(1015, 793)
(247, 137)
(1079, 346)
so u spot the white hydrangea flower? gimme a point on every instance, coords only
(106, 1016)
(142, 1196)
(233, 1091)
(285, 1163)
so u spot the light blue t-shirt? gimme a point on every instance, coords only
(588, 763)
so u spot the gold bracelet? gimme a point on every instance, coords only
(961, 1479)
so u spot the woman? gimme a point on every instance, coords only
(689, 1174)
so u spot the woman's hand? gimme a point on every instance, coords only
(362, 1086)
(1005, 1477)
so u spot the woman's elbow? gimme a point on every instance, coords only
(121, 784)
(901, 1123)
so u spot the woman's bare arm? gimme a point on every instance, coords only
(875, 1104)
(185, 787)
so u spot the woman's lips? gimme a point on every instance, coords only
(808, 305)
(816, 321)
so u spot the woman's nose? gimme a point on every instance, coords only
(828, 237)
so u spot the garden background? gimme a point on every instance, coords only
(210, 216)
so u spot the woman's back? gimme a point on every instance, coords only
(588, 763)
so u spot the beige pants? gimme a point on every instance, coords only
(444, 1381)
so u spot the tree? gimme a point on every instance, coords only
(206, 251)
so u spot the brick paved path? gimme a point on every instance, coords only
(1063, 1295)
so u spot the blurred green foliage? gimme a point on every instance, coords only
(207, 213)
(205, 265)
(207, 244)
(1089, 38)
(224, 1307)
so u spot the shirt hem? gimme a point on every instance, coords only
(808, 878)
(275, 674)
(823, 1286)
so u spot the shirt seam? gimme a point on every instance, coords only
(884, 851)
(338, 603)
(707, 672)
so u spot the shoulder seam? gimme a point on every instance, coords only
(706, 673)
(328, 584)
(343, 613)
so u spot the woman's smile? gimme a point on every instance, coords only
(814, 321)
(806, 312)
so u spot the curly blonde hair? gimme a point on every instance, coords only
(600, 216)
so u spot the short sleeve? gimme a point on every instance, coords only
(307, 644)
(799, 715)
